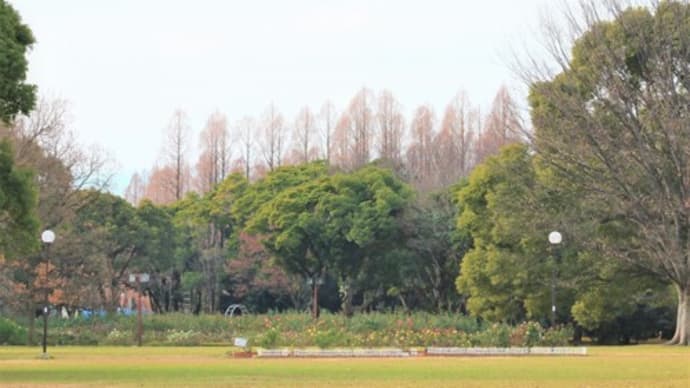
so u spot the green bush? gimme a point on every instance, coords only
(557, 336)
(11, 333)
(330, 338)
(268, 339)
(526, 334)
(497, 335)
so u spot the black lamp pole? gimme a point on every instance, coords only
(47, 237)
(555, 239)
(45, 302)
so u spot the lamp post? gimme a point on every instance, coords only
(47, 237)
(139, 278)
(555, 238)
(315, 282)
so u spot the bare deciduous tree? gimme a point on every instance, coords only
(214, 161)
(362, 125)
(245, 132)
(175, 153)
(391, 127)
(304, 131)
(161, 185)
(420, 154)
(327, 117)
(341, 148)
(503, 125)
(273, 137)
(44, 143)
(454, 142)
(136, 189)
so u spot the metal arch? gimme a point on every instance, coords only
(230, 311)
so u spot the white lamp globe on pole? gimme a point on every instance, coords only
(555, 237)
(48, 236)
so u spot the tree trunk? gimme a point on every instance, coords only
(315, 300)
(680, 337)
(347, 292)
(403, 303)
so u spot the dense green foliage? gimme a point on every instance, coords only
(509, 208)
(613, 126)
(18, 222)
(15, 40)
(344, 225)
(11, 333)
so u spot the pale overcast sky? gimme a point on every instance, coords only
(125, 65)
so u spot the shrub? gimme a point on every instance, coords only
(497, 335)
(118, 337)
(183, 338)
(330, 338)
(557, 336)
(269, 339)
(526, 334)
(11, 333)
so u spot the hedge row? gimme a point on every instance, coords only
(297, 329)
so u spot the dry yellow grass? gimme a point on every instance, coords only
(634, 366)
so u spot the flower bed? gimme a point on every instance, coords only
(295, 330)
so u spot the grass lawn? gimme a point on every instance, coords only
(632, 366)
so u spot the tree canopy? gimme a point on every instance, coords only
(16, 38)
(18, 221)
(615, 124)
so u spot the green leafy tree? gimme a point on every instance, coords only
(362, 217)
(274, 183)
(209, 229)
(614, 123)
(293, 231)
(509, 206)
(16, 39)
(18, 222)
(435, 248)
(108, 241)
(159, 237)
(18, 197)
(340, 224)
(502, 271)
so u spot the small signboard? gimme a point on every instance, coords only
(143, 277)
(241, 342)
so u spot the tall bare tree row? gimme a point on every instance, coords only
(432, 153)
